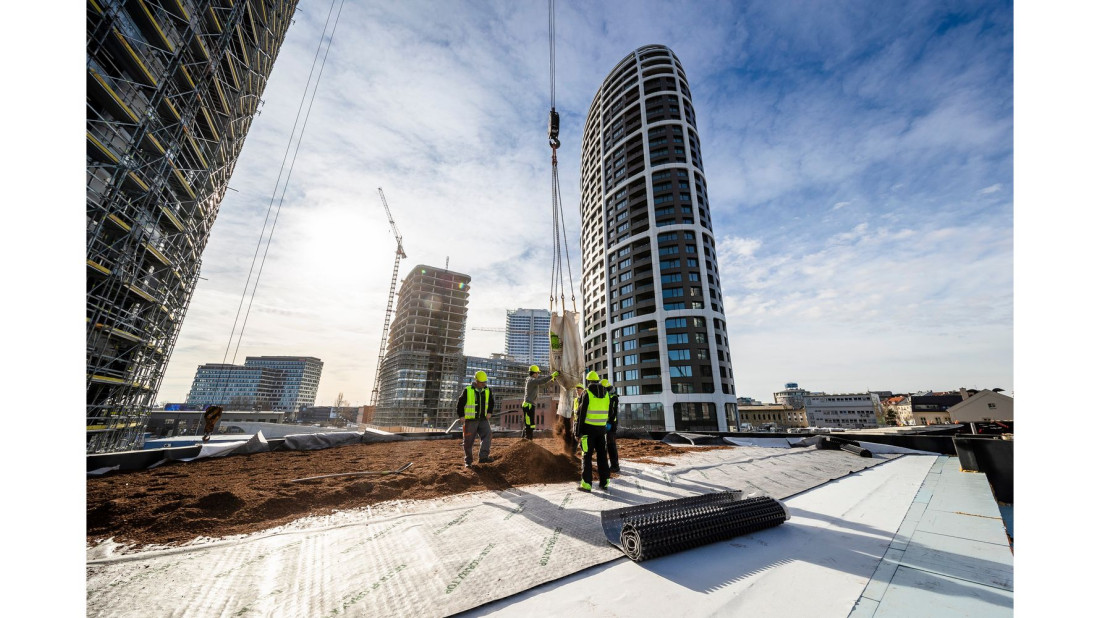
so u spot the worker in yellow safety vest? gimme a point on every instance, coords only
(592, 424)
(530, 396)
(475, 403)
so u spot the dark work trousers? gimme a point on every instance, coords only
(613, 449)
(472, 429)
(592, 441)
(528, 420)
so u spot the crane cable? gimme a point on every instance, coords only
(557, 276)
(286, 181)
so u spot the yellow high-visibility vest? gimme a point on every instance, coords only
(471, 403)
(597, 409)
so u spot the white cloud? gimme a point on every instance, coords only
(443, 105)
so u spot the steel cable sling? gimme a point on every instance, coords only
(557, 276)
(670, 526)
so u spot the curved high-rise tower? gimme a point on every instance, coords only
(653, 315)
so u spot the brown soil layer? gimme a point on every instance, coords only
(180, 501)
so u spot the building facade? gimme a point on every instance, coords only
(424, 366)
(506, 376)
(770, 416)
(301, 377)
(172, 88)
(845, 410)
(282, 383)
(792, 396)
(527, 336)
(653, 314)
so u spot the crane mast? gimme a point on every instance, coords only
(400, 253)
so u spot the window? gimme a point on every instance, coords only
(673, 278)
(630, 330)
(630, 359)
(678, 371)
(672, 292)
(673, 306)
(676, 323)
(691, 262)
(673, 250)
(631, 390)
(630, 344)
(665, 264)
(661, 199)
(662, 187)
(689, 249)
(627, 302)
(679, 355)
(693, 276)
(626, 289)
(631, 374)
(626, 315)
(625, 276)
(666, 237)
(677, 339)
(624, 263)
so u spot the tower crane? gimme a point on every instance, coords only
(389, 302)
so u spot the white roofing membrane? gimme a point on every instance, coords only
(816, 564)
(440, 557)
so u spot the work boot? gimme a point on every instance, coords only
(615, 469)
(585, 487)
(605, 484)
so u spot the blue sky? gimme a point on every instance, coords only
(859, 158)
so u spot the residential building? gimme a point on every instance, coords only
(546, 411)
(653, 314)
(845, 410)
(282, 383)
(770, 416)
(527, 336)
(792, 396)
(424, 367)
(172, 88)
(983, 406)
(931, 408)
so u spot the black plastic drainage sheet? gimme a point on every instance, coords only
(666, 527)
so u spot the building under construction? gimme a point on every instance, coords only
(424, 366)
(172, 88)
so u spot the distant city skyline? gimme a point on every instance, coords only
(859, 167)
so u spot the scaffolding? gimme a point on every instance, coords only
(172, 88)
(424, 365)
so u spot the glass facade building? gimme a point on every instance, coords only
(527, 336)
(653, 314)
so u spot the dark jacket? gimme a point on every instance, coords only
(479, 399)
(596, 389)
(613, 411)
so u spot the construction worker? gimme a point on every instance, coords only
(476, 404)
(578, 390)
(592, 423)
(612, 425)
(530, 396)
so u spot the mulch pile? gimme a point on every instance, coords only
(180, 501)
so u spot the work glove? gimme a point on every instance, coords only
(554, 375)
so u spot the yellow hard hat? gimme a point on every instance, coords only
(579, 386)
(481, 377)
(592, 376)
(604, 383)
(533, 369)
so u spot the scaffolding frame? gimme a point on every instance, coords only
(172, 88)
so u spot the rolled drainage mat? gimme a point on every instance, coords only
(856, 449)
(691, 522)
